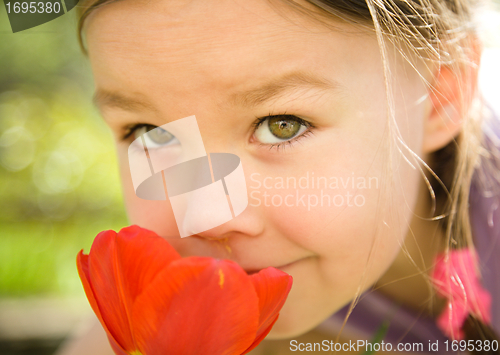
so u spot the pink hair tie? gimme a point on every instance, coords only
(455, 278)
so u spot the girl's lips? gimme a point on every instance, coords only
(283, 268)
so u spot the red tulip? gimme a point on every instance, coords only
(151, 301)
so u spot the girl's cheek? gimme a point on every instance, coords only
(307, 204)
(154, 215)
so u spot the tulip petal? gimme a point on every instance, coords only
(82, 264)
(197, 306)
(117, 349)
(106, 280)
(272, 287)
(261, 337)
(120, 266)
(144, 254)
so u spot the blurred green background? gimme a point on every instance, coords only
(59, 185)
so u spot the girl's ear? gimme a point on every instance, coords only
(451, 95)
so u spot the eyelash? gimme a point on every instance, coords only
(256, 124)
(130, 129)
(292, 141)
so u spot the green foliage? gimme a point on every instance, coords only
(40, 258)
(59, 183)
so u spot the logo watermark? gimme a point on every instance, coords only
(310, 191)
(28, 14)
(370, 347)
(204, 190)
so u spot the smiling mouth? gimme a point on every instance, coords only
(281, 267)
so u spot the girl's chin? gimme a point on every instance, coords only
(286, 332)
(285, 328)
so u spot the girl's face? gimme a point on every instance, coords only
(231, 63)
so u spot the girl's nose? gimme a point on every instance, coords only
(249, 224)
(202, 209)
(213, 214)
(211, 193)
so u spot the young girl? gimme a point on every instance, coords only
(360, 132)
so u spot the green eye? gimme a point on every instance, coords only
(280, 128)
(283, 128)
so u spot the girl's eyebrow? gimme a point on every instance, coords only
(113, 99)
(281, 86)
(272, 89)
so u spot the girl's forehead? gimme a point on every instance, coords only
(231, 42)
(216, 13)
(210, 26)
